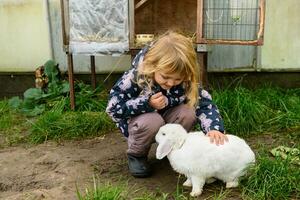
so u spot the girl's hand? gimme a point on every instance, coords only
(217, 137)
(158, 101)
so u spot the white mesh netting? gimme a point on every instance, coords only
(98, 26)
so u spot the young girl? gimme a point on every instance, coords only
(161, 87)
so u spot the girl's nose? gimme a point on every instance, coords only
(170, 83)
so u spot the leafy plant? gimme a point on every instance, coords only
(35, 99)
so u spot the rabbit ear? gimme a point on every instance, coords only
(164, 148)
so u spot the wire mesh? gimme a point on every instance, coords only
(230, 19)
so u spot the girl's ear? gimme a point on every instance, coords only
(164, 148)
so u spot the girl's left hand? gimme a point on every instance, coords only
(217, 137)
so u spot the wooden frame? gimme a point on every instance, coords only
(256, 42)
(66, 41)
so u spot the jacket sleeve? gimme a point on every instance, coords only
(208, 114)
(125, 101)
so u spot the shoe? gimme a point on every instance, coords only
(138, 166)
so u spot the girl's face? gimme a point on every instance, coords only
(167, 80)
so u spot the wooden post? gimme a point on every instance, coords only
(71, 80)
(199, 28)
(93, 70)
(131, 24)
(202, 60)
(65, 34)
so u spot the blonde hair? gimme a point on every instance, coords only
(174, 53)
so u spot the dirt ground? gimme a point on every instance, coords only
(52, 170)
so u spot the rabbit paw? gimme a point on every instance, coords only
(232, 184)
(187, 183)
(195, 193)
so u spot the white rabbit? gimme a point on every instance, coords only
(200, 160)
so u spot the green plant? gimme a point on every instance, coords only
(220, 195)
(272, 179)
(6, 116)
(101, 192)
(12, 125)
(67, 125)
(241, 110)
(89, 99)
(35, 99)
(265, 109)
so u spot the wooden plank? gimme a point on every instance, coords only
(63, 22)
(199, 28)
(140, 3)
(93, 70)
(157, 16)
(202, 61)
(260, 34)
(71, 80)
(233, 42)
(64, 5)
(131, 24)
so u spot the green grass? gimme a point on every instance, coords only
(13, 125)
(121, 190)
(102, 192)
(245, 112)
(8, 118)
(272, 178)
(69, 125)
(265, 109)
(57, 121)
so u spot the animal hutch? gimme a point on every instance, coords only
(101, 27)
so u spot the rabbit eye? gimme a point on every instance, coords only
(163, 134)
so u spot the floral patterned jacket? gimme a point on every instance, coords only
(127, 100)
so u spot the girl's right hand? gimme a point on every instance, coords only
(158, 101)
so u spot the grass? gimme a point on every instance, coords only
(272, 179)
(102, 192)
(266, 109)
(245, 112)
(69, 125)
(59, 124)
(13, 125)
(121, 191)
(58, 121)
(8, 118)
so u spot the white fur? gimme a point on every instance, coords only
(201, 161)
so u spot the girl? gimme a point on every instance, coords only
(161, 87)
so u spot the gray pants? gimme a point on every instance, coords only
(143, 128)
